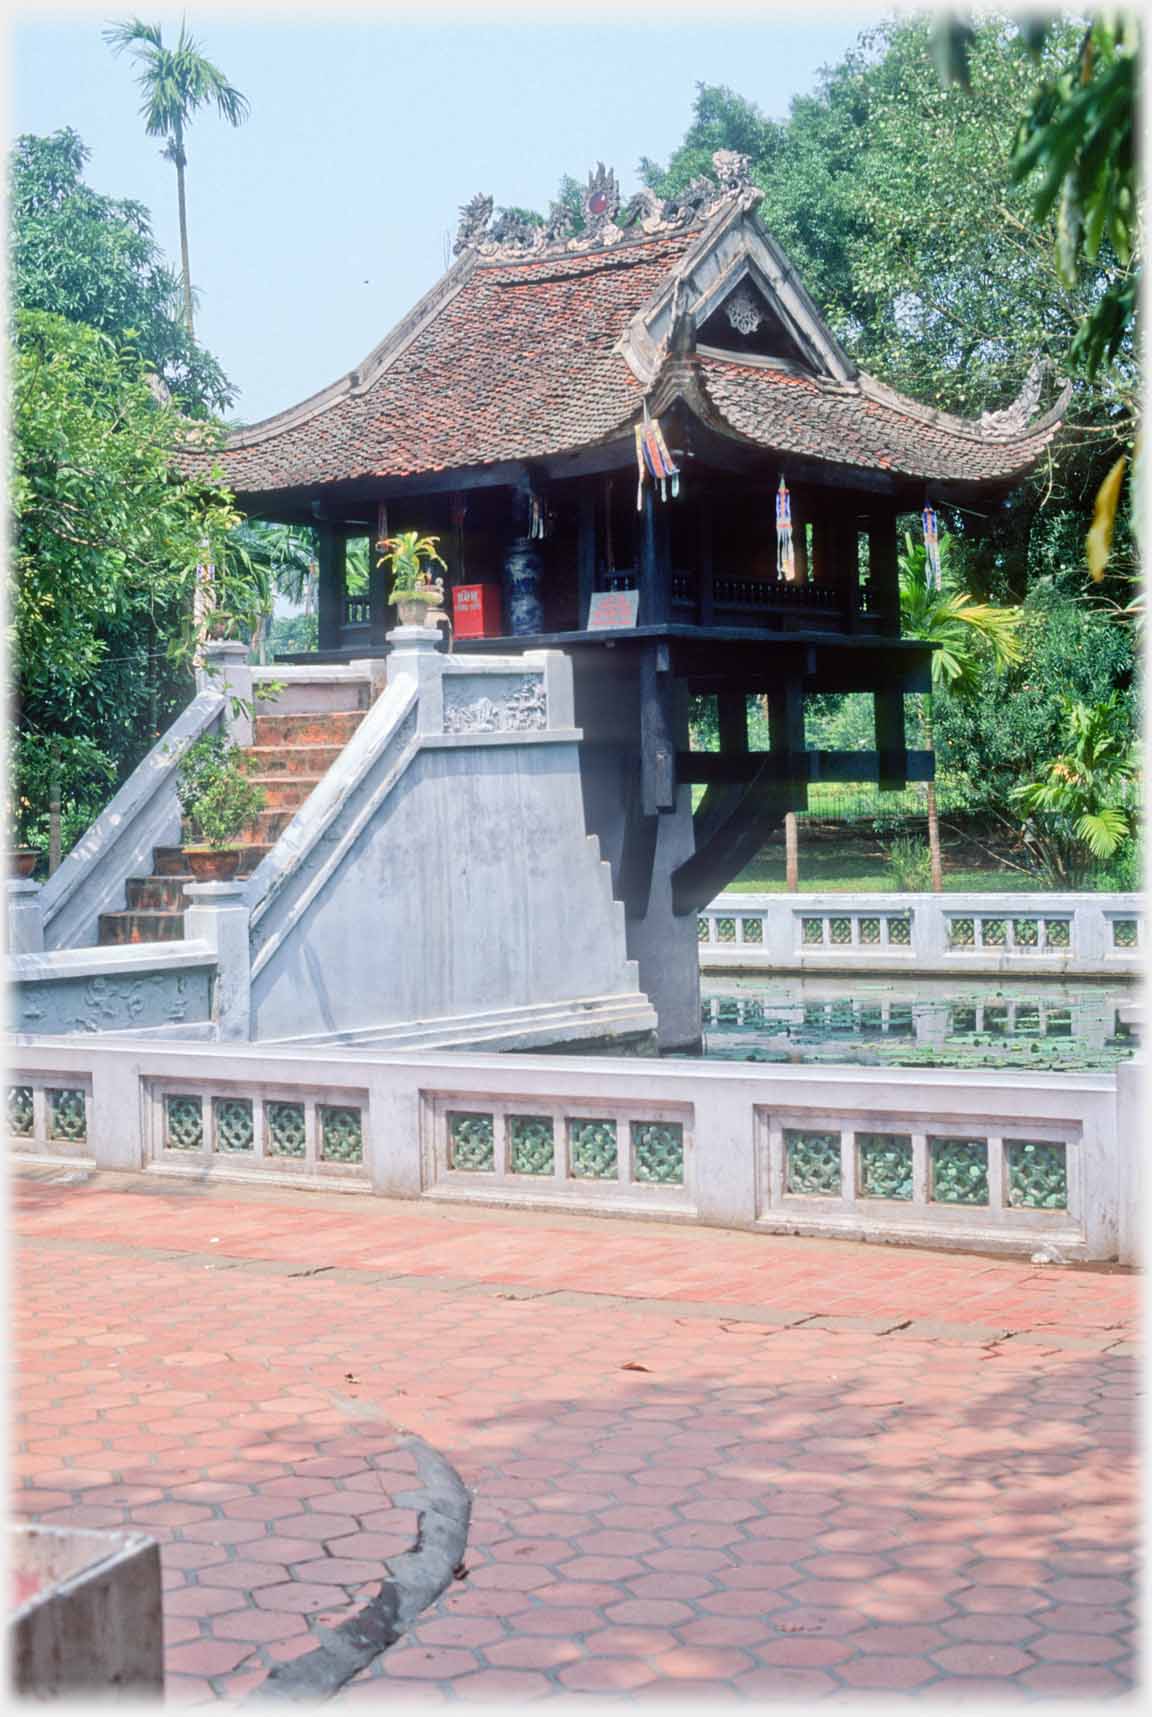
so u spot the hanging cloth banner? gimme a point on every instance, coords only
(654, 459)
(932, 547)
(785, 552)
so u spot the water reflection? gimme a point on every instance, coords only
(926, 1022)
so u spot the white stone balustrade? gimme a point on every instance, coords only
(1066, 935)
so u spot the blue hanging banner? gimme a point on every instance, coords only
(785, 551)
(932, 547)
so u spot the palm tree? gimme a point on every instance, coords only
(176, 82)
(966, 635)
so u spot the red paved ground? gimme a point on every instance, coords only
(703, 1463)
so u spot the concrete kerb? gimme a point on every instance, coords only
(418, 1577)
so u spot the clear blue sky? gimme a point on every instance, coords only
(317, 224)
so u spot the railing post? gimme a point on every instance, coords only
(25, 917)
(227, 670)
(416, 652)
(217, 914)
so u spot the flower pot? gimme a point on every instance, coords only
(413, 609)
(22, 860)
(213, 864)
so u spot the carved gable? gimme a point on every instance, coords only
(746, 323)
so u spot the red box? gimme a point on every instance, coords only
(476, 610)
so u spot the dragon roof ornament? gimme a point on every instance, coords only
(514, 237)
(1015, 418)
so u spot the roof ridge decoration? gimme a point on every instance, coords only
(512, 237)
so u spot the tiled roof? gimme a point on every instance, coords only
(517, 360)
(852, 426)
(517, 364)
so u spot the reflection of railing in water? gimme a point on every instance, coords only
(1092, 1023)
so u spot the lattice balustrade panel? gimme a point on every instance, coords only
(532, 1144)
(961, 932)
(900, 932)
(811, 931)
(1057, 932)
(996, 1019)
(341, 1135)
(286, 1129)
(812, 1163)
(884, 1165)
(658, 1152)
(869, 931)
(1125, 932)
(752, 929)
(958, 1170)
(1037, 1174)
(961, 1021)
(21, 1111)
(183, 1123)
(1026, 932)
(235, 1128)
(840, 930)
(592, 1149)
(725, 930)
(66, 1116)
(993, 932)
(471, 1142)
(702, 929)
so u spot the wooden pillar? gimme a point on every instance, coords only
(330, 549)
(585, 551)
(706, 576)
(655, 569)
(883, 571)
(786, 733)
(846, 563)
(379, 580)
(888, 703)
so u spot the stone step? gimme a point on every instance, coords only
(170, 861)
(285, 791)
(118, 928)
(331, 727)
(157, 893)
(309, 760)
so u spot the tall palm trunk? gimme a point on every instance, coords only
(185, 266)
(930, 796)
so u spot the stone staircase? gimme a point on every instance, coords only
(289, 756)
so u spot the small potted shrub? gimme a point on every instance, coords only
(219, 801)
(414, 590)
(21, 859)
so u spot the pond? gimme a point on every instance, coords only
(916, 1022)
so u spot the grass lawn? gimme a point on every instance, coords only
(849, 869)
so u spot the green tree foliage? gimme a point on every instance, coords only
(176, 83)
(898, 201)
(968, 638)
(1081, 810)
(108, 540)
(1015, 722)
(93, 259)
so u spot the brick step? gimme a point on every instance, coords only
(157, 893)
(285, 791)
(118, 928)
(170, 861)
(330, 727)
(309, 760)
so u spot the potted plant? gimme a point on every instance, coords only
(219, 800)
(414, 589)
(21, 859)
